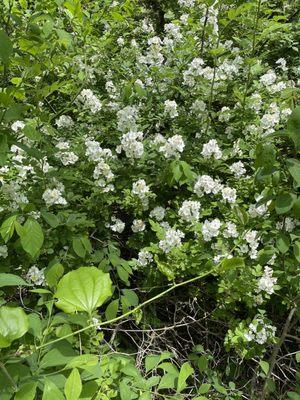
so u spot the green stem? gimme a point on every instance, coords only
(175, 286)
(8, 376)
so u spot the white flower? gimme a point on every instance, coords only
(211, 149)
(173, 146)
(186, 3)
(127, 119)
(117, 225)
(89, 100)
(230, 230)
(63, 145)
(158, 213)
(172, 239)
(144, 258)
(210, 229)
(131, 144)
(229, 194)
(53, 196)
(36, 276)
(67, 158)
(3, 251)
(95, 152)
(206, 184)
(189, 211)
(266, 283)
(140, 189)
(138, 225)
(17, 126)
(238, 169)
(269, 78)
(64, 121)
(281, 62)
(120, 41)
(171, 108)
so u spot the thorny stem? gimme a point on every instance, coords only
(98, 325)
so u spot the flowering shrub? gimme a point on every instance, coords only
(144, 146)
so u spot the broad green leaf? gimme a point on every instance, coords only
(112, 310)
(8, 227)
(167, 381)
(82, 361)
(284, 202)
(6, 47)
(219, 388)
(202, 363)
(12, 280)
(35, 325)
(297, 251)
(204, 388)
(32, 237)
(73, 385)
(152, 361)
(27, 391)
(283, 243)
(293, 166)
(13, 324)
(125, 391)
(50, 218)
(293, 396)
(84, 289)
(185, 372)
(60, 355)
(264, 366)
(78, 247)
(53, 273)
(51, 391)
(293, 127)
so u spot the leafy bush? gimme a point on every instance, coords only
(150, 175)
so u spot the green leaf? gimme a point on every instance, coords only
(84, 360)
(6, 47)
(284, 202)
(84, 289)
(297, 251)
(73, 385)
(125, 391)
(78, 247)
(293, 396)
(219, 388)
(51, 391)
(204, 388)
(167, 381)
(12, 280)
(53, 273)
(152, 361)
(8, 227)
(50, 218)
(283, 243)
(202, 363)
(264, 366)
(185, 371)
(26, 391)
(112, 310)
(298, 357)
(13, 325)
(293, 127)
(293, 166)
(32, 237)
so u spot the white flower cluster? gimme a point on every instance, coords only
(54, 196)
(3, 251)
(89, 100)
(36, 276)
(173, 146)
(171, 108)
(116, 225)
(17, 126)
(127, 119)
(138, 225)
(158, 213)
(64, 121)
(103, 175)
(269, 79)
(94, 151)
(211, 149)
(238, 169)
(189, 211)
(289, 224)
(66, 157)
(153, 57)
(131, 144)
(267, 282)
(172, 239)
(144, 258)
(210, 229)
(206, 184)
(260, 332)
(186, 3)
(253, 242)
(270, 119)
(229, 194)
(230, 230)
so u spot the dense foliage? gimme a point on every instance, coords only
(150, 206)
